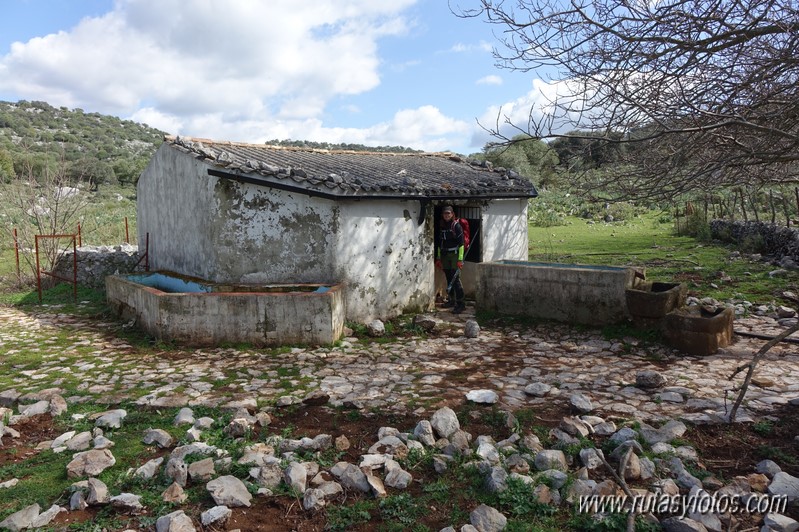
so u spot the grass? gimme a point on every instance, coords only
(43, 479)
(648, 243)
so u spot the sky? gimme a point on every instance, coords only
(374, 72)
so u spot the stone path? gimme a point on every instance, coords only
(415, 374)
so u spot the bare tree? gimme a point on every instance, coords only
(705, 92)
(42, 203)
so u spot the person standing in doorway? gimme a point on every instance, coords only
(449, 257)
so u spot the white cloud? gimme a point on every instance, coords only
(490, 80)
(425, 128)
(207, 62)
(482, 46)
(537, 105)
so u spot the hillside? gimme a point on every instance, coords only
(36, 138)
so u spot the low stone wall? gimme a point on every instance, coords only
(97, 262)
(778, 241)
(570, 293)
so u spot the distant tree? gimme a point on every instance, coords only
(6, 166)
(706, 91)
(92, 171)
(532, 158)
(581, 150)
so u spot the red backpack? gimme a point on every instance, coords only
(466, 234)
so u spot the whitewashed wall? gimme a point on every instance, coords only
(504, 232)
(386, 258)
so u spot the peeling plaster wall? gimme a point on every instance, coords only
(504, 230)
(272, 236)
(385, 259)
(225, 231)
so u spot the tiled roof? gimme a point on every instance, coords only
(359, 174)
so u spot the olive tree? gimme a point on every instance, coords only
(705, 93)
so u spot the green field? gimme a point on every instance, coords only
(650, 243)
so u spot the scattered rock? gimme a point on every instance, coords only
(313, 499)
(351, 477)
(216, 517)
(174, 493)
(202, 470)
(487, 519)
(425, 322)
(551, 459)
(58, 405)
(22, 519)
(768, 468)
(445, 422)
(375, 328)
(37, 408)
(780, 523)
(229, 491)
(159, 437)
(581, 403)
(649, 379)
(488, 397)
(471, 329)
(90, 463)
(111, 419)
(177, 521)
(127, 503)
(185, 416)
(537, 389)
(97, 492)
(295, 476)
(785, 484)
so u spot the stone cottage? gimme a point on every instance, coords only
(230, 212)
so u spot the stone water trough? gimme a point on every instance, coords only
(571, 293)
(196, 312)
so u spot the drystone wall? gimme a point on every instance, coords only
(96, 262)
(779, 242)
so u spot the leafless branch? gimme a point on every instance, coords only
(704, 92)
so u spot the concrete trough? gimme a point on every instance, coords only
(571, 293)
(195, 312)
(699, 332)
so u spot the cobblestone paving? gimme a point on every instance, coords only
(411, 374)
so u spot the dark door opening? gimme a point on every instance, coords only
(474, 217)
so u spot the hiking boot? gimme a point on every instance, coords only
(448, 304)
(460, 307)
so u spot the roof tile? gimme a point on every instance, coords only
(361, 173)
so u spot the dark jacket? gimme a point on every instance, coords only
(450, 239)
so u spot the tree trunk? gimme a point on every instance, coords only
(796, 192)
(751, 368)
(753, 204)
(743, 204)
(773, 208)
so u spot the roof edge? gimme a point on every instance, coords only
(182, 138)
